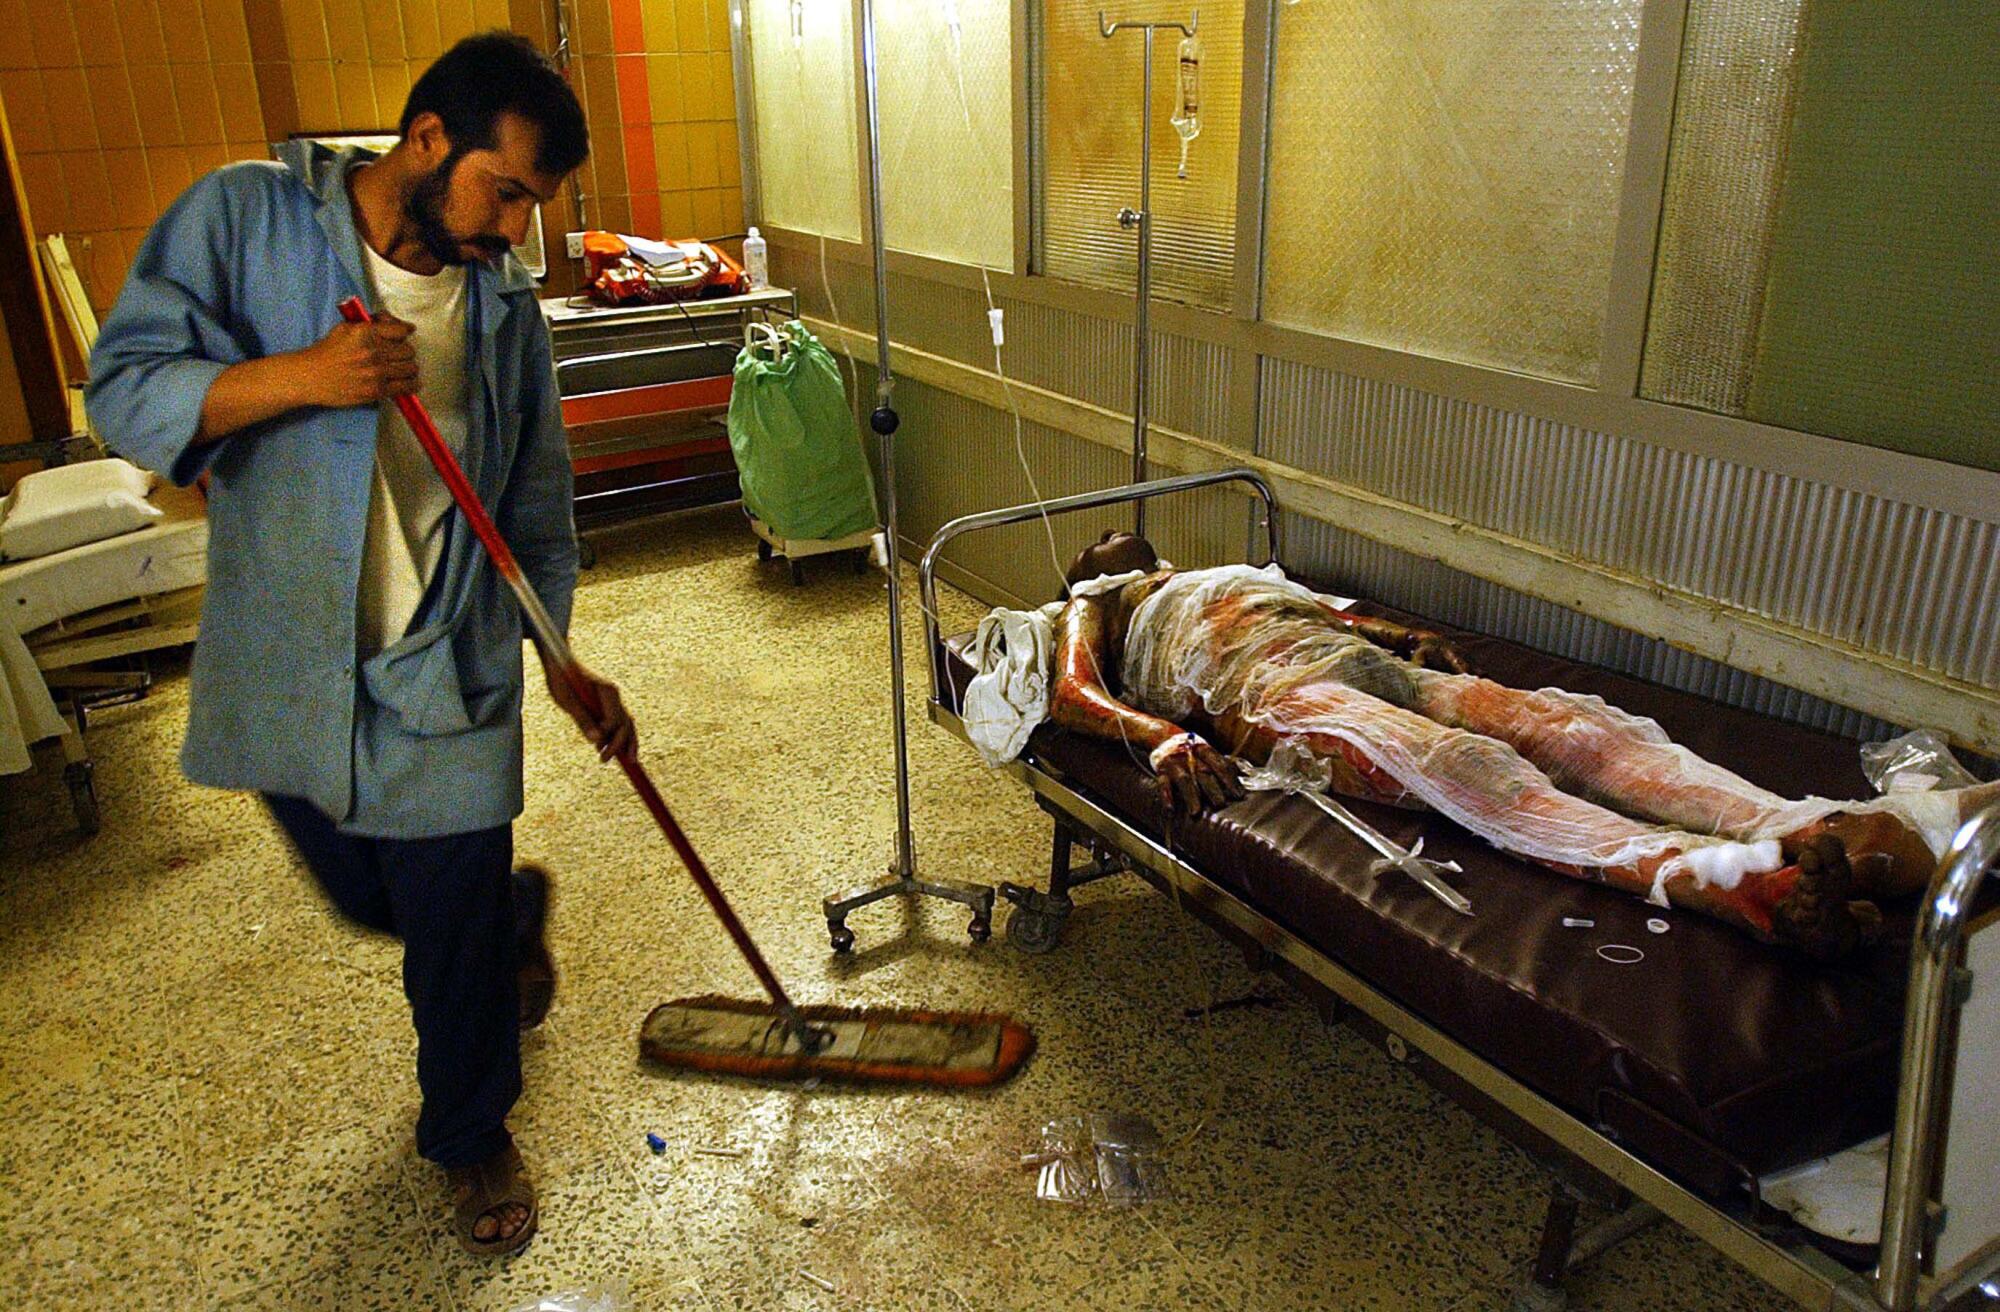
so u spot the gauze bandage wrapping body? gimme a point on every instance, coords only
(1524, 770)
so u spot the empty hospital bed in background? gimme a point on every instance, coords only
(1681, 1086)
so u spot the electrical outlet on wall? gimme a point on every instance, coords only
(573, 244)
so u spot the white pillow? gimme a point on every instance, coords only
(53, 510)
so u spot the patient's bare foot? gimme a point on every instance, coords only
(1817, 917)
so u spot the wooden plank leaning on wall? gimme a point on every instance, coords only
(36, 399)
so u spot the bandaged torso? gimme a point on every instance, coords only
(1235, 637)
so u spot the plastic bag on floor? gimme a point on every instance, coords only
(1916, 762)
(609, 1297)
(1104, 1158)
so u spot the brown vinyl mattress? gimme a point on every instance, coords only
(1716, 1057)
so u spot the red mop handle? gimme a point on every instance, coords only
(558, 650)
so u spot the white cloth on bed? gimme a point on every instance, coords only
(55, 509)
(171, 555)
(1009, 694)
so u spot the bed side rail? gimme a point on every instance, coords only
(1110, 496)
(1939, 985)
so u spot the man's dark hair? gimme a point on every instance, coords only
(494, 73)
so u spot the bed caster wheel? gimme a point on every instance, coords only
(980, 929)
(842, 938)
(1533, 1296)
(763, 550)
(1033, 932)
(798, 575)
(83, 796)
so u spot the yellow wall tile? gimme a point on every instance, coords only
(319, 103)
(53, 34)
(228, 34)
(718, 24)
(456, 21)
(708, 214)
(305, 30)
(71, 119)
(15, 52)
(392, 88)
(27, 110)
(356, 91)
(722, 79)
(131, 187)
(346, 33)
(172, 173)
(492, 15)
(690, 25)
(89, 190)
(205, 159)
(41, 178)
(97, 32)
(670, 158)
(139, 27)
(201, 112)
(697, 88)
(242, 115)
(599, 93)
(676, 214)
(703, 167)
(616, 212)
(180, 24)
(420, 29)
(153, 97)
(657, 20)
(663, 84)
(732, 210)
(111, 100)
(382, 20)
(592, 29)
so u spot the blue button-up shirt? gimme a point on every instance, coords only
(423, 739)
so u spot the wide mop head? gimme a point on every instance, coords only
(957, 1049)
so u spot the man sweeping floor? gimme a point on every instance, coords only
(360, 661)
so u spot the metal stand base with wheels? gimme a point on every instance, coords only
(903, 873)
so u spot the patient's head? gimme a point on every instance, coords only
(1117, 552)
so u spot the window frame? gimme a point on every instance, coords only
(1613, 405)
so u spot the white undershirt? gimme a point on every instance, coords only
(409, 502)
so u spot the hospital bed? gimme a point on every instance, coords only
(1678, 1086)
(63, 617)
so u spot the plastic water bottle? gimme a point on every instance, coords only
(757, 261)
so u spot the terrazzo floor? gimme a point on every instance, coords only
(206, 1083)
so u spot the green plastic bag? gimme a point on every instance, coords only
(798, 452)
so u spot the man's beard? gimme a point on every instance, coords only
(425, 210)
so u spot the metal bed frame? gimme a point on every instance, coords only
(1586, 1164)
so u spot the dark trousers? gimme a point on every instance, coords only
(451, 900)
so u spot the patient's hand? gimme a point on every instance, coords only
(1433, 652)
(1194, 776)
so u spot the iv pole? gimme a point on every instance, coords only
(903, 874)
(1142, 219)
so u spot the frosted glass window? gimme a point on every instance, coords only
(1829, 260)
(1444, 177)
(1089, 136)
(802, 88)
(946, 96)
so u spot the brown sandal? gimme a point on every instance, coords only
(535, 980)
(483, 1190)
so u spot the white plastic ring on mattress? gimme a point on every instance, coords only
(1657, 926)
(1615, 953)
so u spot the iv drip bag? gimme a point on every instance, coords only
(1187, 96)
